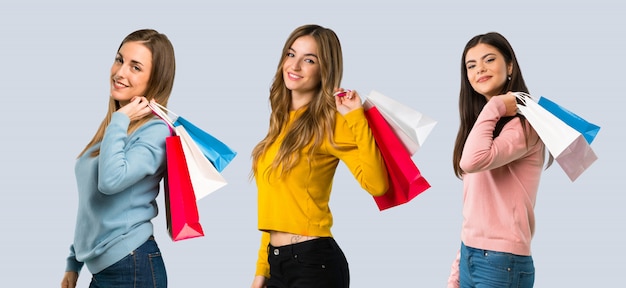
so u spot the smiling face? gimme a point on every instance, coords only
(130, 72)
(301, 68)
(487, 70)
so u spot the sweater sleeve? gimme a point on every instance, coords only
(453, 279)
(125, 159)
(73, 264)
(262, 266)
(365, 162)
(483, 152)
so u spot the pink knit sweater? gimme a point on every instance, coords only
(499, 185)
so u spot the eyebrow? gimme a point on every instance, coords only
(484, 56)
(309, 54)
(131, 61)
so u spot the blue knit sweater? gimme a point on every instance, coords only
(116, 193)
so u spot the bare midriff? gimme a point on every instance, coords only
(278, 239)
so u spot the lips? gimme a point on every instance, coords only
(293, 76)
(119, 85)
(483, 79)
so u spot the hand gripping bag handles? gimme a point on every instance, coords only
(405, 179)
(567, 145)
(215, 150)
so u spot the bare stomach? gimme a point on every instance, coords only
(278, 239)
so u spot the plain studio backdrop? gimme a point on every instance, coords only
(55, 83)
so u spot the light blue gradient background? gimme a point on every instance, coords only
(56, 57)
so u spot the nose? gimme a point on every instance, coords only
(480, 68)
(295, 65)
(116, 71)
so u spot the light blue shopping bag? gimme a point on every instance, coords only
(587, 129)
(218, 153)
(215, 150)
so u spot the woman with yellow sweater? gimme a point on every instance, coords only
(313, 125)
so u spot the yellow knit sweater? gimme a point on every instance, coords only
(297, 202)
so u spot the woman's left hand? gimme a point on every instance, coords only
(137, 108)
(347, 103)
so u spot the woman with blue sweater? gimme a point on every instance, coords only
(119, 171)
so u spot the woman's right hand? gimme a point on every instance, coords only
(347, 100)
(510, 102)
(69, 279)
(259, 282)
(137, 108)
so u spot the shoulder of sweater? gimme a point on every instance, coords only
(496, 105)
(528, 132)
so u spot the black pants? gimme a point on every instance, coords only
(309, 264)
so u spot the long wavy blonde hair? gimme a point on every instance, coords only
(318, 120)
(160, 82)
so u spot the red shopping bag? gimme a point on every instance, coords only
(181, 209)
(405, 180)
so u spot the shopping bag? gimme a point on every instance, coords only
(215, 150)
(183, 221)
(589, 130)
(411, 126)
(204, 176)
(568, 146)
(405, 179)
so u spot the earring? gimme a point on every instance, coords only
(509, 77)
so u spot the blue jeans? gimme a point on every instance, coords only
(141, 268)
(485, 268)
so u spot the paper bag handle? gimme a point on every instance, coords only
(158, 110)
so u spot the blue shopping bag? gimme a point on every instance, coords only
(587, 129)
(213, 149)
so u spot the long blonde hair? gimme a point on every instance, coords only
(318, 119)
(159, 85)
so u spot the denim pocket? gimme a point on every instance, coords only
(157, 267)
(312, 259)
(526, 279)
(498, 260)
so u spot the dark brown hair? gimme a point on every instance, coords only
(471, 102)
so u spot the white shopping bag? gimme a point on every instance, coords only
(205, 178)
(411, 126)
(568, 146)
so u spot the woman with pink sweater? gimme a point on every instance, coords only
(500, 158)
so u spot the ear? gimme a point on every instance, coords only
(509, 68)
